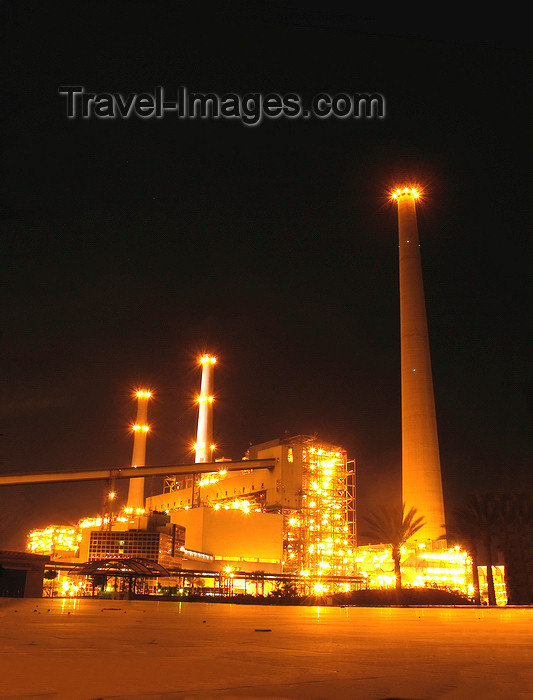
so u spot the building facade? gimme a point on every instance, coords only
(302, 511)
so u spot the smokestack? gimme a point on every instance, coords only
(204, 435)
(421, 473)
(140, 431)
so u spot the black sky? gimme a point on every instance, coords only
(132, 245)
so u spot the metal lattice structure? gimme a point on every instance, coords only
(319, 538)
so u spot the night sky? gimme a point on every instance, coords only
(131, 246)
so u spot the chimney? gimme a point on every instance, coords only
(140, 432)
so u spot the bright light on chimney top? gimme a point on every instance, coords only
(406, 192)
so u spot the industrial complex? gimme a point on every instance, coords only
(284, 515)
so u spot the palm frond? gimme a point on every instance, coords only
(392, 526)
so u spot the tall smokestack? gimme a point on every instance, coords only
(204, 435)
(421, 474)
(140, 431)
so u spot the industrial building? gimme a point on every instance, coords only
(163, 544)
(288, 508)
(297, 517)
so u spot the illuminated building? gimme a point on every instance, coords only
(140, 431)
(130, 535)
(58, 541)
(308, 499)
(163, 547)
(449, 569)
(216, 538)
(421, 473)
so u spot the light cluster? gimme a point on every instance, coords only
(406, 191)
(55, 538)
(143, 394)
(450, 569)
(99, 522)
(213, 477)
(319, 539)
(201, 446)
(239, 504)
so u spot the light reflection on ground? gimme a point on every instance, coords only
(135, 649)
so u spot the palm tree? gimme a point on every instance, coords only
(477, 521)
(516, 530)
(393, 526)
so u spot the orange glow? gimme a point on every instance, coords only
(144, 428)
(203, 399)
(451, 569)
(143, 394)
(406, 192)
(208, 359)
(322, 524)
(54, 539)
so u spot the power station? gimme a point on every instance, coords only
(299, 516)
(287, 508)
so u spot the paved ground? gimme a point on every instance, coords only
(134, 649)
